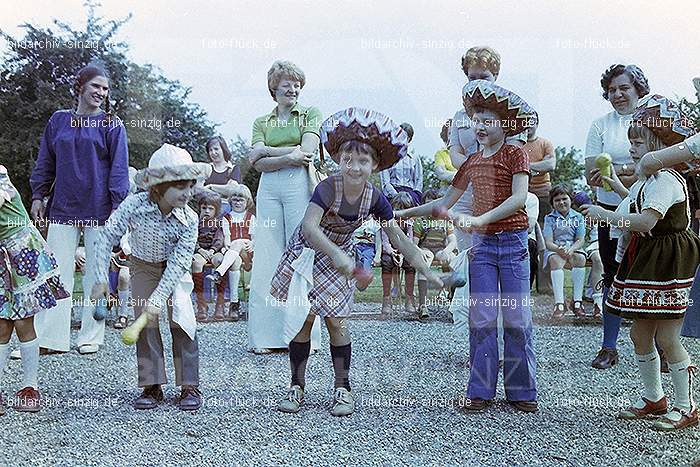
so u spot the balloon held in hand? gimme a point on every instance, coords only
(100, 311)
(131, 334)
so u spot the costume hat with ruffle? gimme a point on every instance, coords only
(171, 164)
(664, 118)
(387, 138)
(512, 109)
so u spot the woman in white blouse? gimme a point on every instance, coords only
(623, 86)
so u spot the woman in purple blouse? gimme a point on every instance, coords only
(81, 175)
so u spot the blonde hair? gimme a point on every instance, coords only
(244, 192)
(482, 56)
(652, 141)
(283, 69)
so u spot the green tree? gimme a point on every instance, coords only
(570, 169)
(36, 76)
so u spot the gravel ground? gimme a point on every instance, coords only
(404, 375)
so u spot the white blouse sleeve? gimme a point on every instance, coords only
(662, 191)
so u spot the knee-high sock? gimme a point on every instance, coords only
(4, 356)
(682, 384)
(30, 363)
(341, 365)
(611, 325)
(578, 275)
(558, 285)
(650, 371)
(123, 302)
(234, 278)
(298, 356)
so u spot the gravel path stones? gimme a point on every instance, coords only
(405, 376)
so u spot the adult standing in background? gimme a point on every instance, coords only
(82, 168)
(623, 86)
(282, 148)
(406, 175)
(444, 170)
(540, 151)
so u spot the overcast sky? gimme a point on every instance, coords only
(399, 57)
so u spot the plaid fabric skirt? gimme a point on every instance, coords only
(29, 280)
(332, 293)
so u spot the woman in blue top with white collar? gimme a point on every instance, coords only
(564, 237)
(81, 175)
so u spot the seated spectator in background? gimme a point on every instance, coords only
(564, 236)
(367, 248)
(437, 241)
(404, 176)
(239, 230)
(592, 255)
(444, 170)
(210, 241)
(542, 161)
(223, 171)
(392, 260)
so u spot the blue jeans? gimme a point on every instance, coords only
(501, 259)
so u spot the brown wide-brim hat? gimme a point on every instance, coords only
(510, 107)
(171, 164)
(664, 118)
(384, 135)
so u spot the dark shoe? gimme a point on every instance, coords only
(121, 322)
(233, 310)
(219, 311)
(149, 398)
(578, 310)
(559, 311)
(28, 400)
(190, 398)
(596, 312)
(605, 359)
(525, 406)
(423, 313)
(659, 407)
(474, 405)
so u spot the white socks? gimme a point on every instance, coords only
(682, 387)
(123, 302)
(558, 285)
(577, 277)
(30, 363)
(598, 300)
(234, 277)
(650, 371)
(4, 356)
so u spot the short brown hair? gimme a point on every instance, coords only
(358, 147)
(209, 198)
(155, 193)
(283, 69)
(560, 189)
(482, 56)
(652, 141)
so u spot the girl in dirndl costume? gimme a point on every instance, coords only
(29, 284)
(361, 142)
(658, 266)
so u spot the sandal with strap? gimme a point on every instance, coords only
(559, 311)
(121, 322)
(578, 309)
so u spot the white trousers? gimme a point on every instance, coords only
(53, 326)
(283, 197)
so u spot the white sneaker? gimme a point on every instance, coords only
(292, 402)
(16, 355)
(343, 403)
(87, 349)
